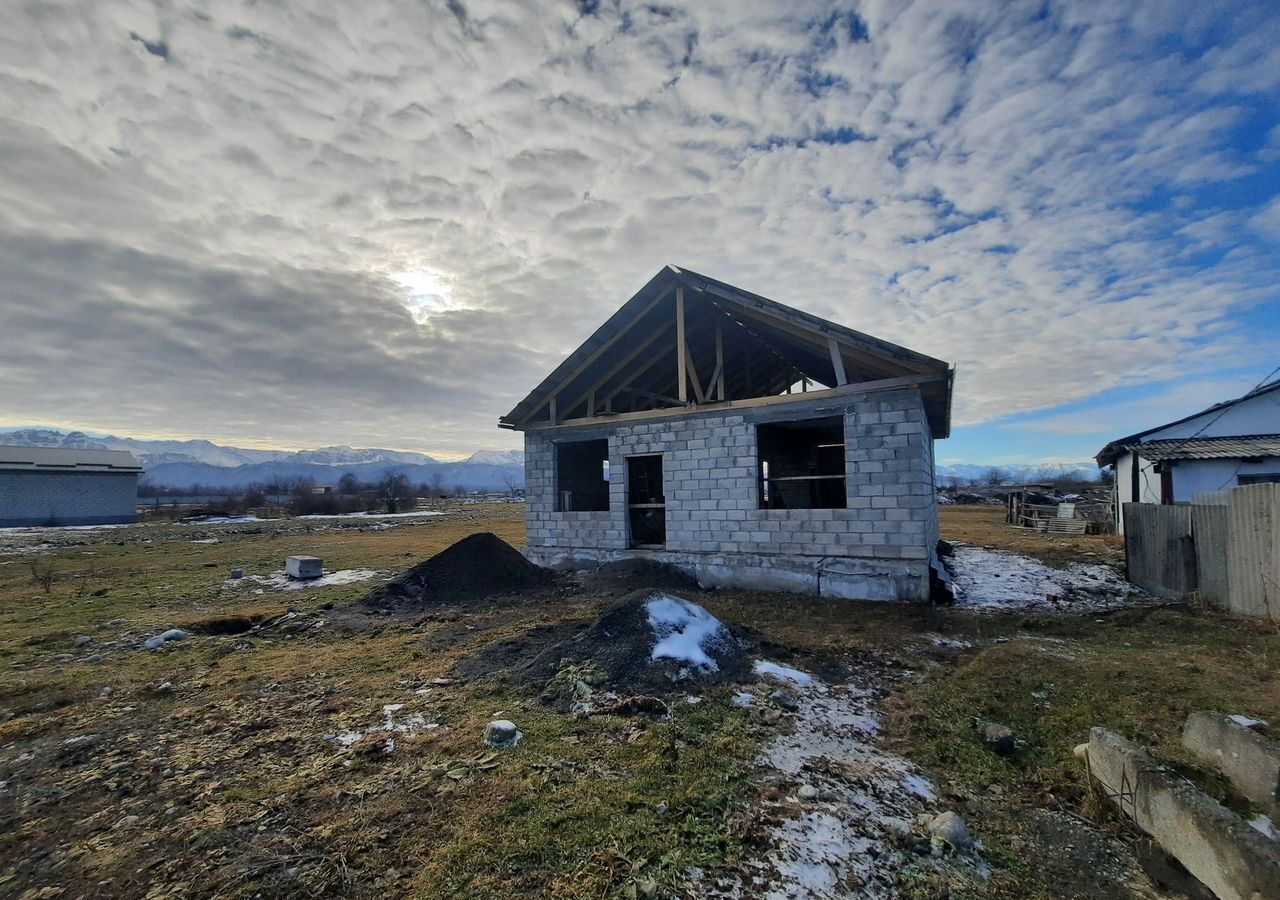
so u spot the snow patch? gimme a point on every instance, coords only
(1246, 722)
(847, 842)
(1264, 826)
(282, 582)
(415, 514)
(685, 631)
(781, 672)
(1000, 579)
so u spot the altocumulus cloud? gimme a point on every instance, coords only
(213, 218)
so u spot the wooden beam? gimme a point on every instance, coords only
(621, 364)
(837, 361)
(650, 395)
(645, 367)
(848, 390)
(551, 409)
(718, 378)
(698, 393)
(591, 403)
(681, 351)
(597, 353)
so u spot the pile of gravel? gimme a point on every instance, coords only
(478, 566)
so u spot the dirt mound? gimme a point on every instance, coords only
(648, 642)
(478, 566)
(633, 574)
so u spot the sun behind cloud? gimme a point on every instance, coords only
(427, 292)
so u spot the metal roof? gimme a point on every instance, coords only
(1209, 448)
(782, 342)
(1107, 455)
(56, 459)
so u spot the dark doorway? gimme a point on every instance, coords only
(646, 504)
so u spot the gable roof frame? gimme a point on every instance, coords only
(796, 341)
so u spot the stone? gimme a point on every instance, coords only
(502, 733)
(173, 634)
(785, 699)
(165, 688)
(1211, 842)
(949, 829)
(106, 692)
(999, 739)
(807, 792)
(80, 640)
(237, 574)
(63, 657)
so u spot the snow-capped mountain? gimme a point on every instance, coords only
(497, 457)
(185, 464)
(1020, 474)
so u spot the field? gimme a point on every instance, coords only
(219, 765)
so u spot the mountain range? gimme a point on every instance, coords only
(187, 464)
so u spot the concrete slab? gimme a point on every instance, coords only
(1249, 759)
(1214, 844)
(303, 566)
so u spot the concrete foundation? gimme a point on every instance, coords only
(846, 579)
(1250, 760)
(1225, 854)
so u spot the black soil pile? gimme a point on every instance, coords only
(629, 575)
(478, 566)
(619, 645)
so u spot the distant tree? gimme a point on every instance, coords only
(348, 484)
(437, 484)
(1107, 476)
(994, 477)
(509, 480)
(393, 490)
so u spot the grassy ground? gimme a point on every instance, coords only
(985, 526)
(223, 783)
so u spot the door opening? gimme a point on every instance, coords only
(646, 504)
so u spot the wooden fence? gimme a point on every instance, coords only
(1224, 547)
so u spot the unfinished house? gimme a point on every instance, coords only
(741, 440)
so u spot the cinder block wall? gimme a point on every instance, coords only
(67, 498)
(710, 468)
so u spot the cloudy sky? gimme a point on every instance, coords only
(381, 223)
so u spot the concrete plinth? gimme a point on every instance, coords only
(1211, 842)
(1251, 761)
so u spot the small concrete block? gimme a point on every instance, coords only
(303, 566)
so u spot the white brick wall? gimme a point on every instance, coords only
(67, 498)
(709, 472)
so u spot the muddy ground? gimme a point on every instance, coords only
(301, 743)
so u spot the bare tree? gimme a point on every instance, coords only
(437, 484)
(348, 484)
(994, 477)
(509, 480)
(394, 489)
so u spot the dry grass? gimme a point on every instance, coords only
(226, 787)
(985, 526)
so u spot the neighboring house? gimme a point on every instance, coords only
(741, 440)
(1232, 443)
(47, 486)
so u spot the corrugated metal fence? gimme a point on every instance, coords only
(1225, 547)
